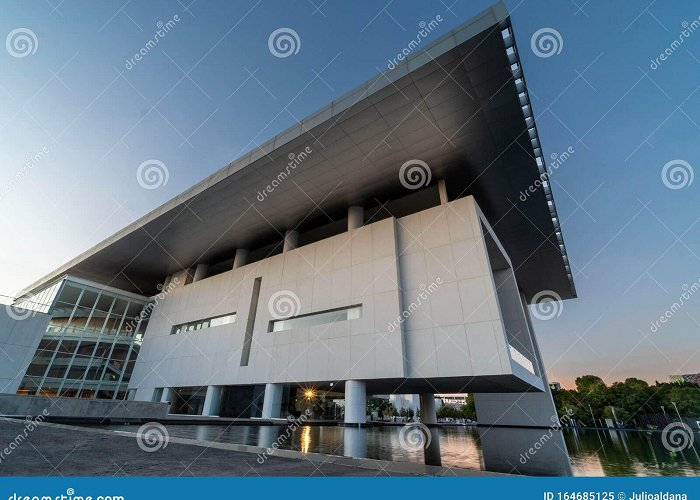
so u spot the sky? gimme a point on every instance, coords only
(74, 98)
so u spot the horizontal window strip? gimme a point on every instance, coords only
(203, 324)
(318, 318)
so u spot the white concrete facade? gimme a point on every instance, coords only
(430, 310)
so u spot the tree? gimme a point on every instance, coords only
(468, 410)
(631, 398)
(376, 404)
(447, 411)
(592, 394)
(570, 407)
(592, 400)
(687, 399)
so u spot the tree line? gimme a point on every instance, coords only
(634, 402)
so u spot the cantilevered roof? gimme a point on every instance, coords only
(460, 104)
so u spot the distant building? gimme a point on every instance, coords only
(693, 378)
(456, 400)
(405, 401)
(555, 386)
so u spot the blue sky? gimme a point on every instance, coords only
(211, 90)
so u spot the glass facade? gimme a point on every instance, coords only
(242, 401)
(188, 400)
(91, 342)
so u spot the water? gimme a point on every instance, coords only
(592, 452)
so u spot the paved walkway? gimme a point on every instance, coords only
(62, 450)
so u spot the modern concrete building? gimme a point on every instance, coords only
(379, 246)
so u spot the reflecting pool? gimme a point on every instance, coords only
(592, 452)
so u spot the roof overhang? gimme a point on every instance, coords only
(460, 105)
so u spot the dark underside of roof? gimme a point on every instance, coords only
(460, 113)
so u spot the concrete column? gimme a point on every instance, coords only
(241, 258)
(272, 403)
(180, 278)
(212, 401)
(167, 397)
(355, 402)
(200, 272)
(442, 189)
(291, 240)
(356, 217)
(427, 409)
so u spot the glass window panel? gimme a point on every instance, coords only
(203, 324)
(188, 400)
(88, 299)
(37, 369)
(314, 319)
(48, 344)
(77, 370)
(57, 370)
(222, 320)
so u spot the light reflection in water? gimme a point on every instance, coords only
(592, 452)
(306, 439)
